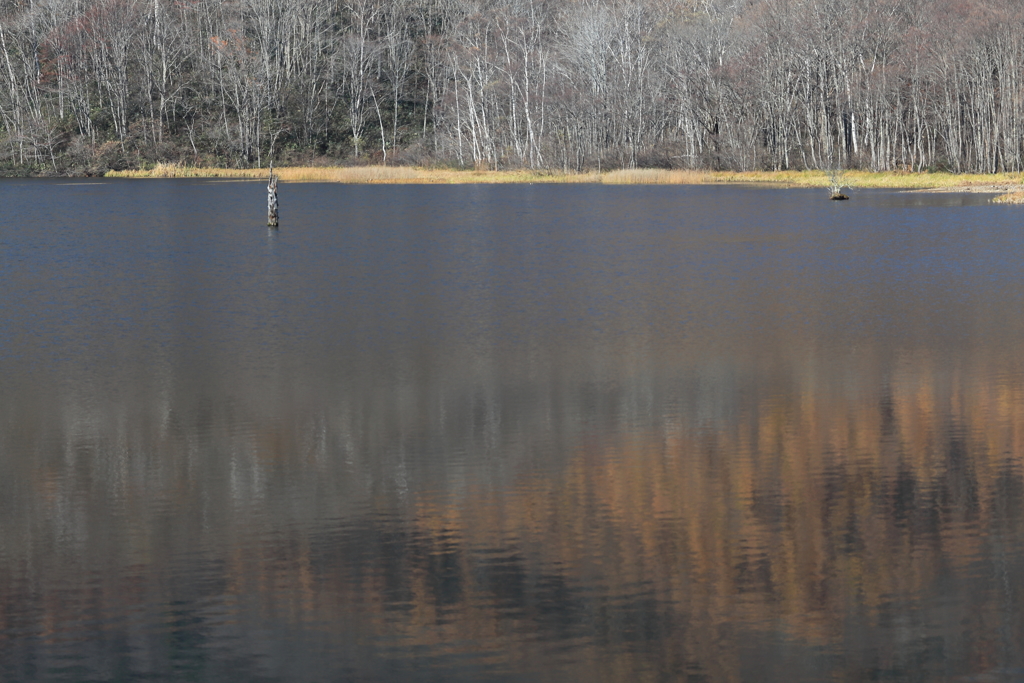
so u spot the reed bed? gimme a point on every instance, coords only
(180, 171)
(349, 174)
(359, 174)
(654, 176)
(637, 176)
(1010, 198)
(884, 179)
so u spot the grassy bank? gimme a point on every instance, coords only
(401, 174)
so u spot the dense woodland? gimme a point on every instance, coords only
(87, 85)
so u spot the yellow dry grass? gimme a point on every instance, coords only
(655, 176)
(883, 179)
(1010, 198)
(359, 174)
(638, 176)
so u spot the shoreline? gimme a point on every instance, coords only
(998, 183)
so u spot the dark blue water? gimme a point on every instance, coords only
(509, 433)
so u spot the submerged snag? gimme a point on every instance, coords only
(836, 183)
(272, 198)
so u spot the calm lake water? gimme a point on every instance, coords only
(509, 433)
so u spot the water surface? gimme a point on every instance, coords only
(509, 433)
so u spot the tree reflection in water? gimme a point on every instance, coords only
(769, 520)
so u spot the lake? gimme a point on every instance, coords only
(509, 433)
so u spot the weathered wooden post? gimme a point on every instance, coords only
(272, 198)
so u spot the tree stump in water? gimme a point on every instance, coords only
(272, 198)
(838, 196)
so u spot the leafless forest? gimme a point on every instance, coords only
(562, 84)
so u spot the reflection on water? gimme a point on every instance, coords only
(509, 433)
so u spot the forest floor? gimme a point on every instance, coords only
(995, 183)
